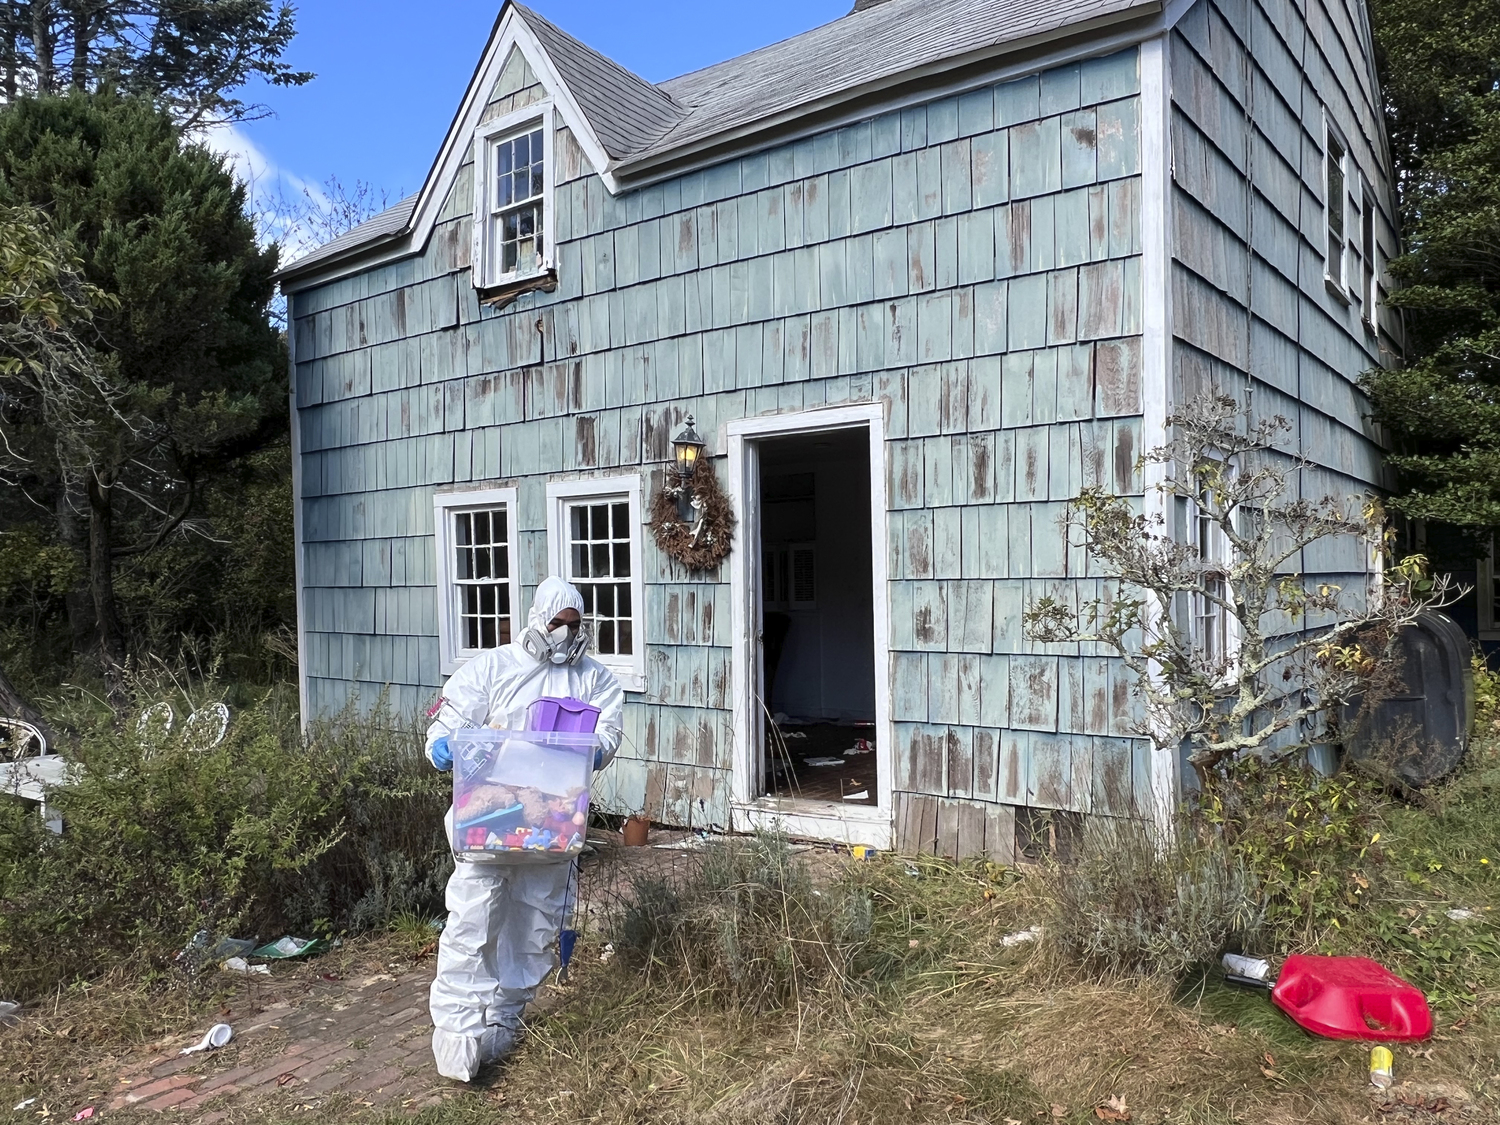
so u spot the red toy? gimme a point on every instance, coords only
(1351, 998)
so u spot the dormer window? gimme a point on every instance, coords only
(513, 198)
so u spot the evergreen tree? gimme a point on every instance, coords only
(187, 55)
(196, 370)
(1439, 68)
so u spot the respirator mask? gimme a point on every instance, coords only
(558, 646)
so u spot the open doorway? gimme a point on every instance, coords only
(817, 617)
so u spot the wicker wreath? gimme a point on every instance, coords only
(698, 546)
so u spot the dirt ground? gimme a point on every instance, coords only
(346, 1036)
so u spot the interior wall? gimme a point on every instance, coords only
(827, 667)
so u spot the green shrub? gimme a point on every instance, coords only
(1132, 903)
(265, 833)
(1308, 839)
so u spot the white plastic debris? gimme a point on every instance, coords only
(1021, 937)
(1255, 968)
(22, 1105)
(609, 951)
(1462, 914)
(9, 1013)
(213, 1039)
(240, 965)
(821, 762)
(862, 795)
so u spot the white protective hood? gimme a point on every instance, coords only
(496, 687)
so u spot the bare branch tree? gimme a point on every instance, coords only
(1233, 648)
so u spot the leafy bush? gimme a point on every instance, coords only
(1134, 904)
(267, 832)
(1308, 839)
(746, 927)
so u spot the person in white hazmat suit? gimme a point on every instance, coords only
(504, 917)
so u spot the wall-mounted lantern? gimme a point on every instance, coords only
(687, 446)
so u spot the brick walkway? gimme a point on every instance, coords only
(367, 1039)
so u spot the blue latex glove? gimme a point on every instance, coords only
(598, 759)
(441, 754)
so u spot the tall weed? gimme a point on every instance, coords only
(1134, 903)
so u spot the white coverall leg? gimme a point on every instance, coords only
(504, 918)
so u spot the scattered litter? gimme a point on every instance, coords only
(913, 872)
(689, 843)
(203, 949)
(284, 949)
(84, 1114)
(608, 952)
(213, 1039)
(1382, 1067)
(240, 965)
(1255, 968)
(863, 851)
(1462, 914)
(23, 1105)
(9, 1013)
(436, 924)
(823, 762)
(1021, 937)
(794, 734)
(862, 746)
(862, 795)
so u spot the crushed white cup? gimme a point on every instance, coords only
(216, 1037)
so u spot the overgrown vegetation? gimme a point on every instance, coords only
(340, 831)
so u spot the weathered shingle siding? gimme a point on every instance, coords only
(972, 263)
(1250, 82)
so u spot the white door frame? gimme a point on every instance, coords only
(823, 820)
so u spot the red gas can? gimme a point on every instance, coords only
(1351, 998)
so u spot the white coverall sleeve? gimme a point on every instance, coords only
(467, 701)
(606, 694)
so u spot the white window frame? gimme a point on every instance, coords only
(486, 137)
(1369, 251)
(629, 670)
(446, 505)
(1336, 274)
(1199, 607)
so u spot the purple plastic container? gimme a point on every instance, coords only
(570, 715)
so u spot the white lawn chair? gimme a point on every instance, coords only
(27, 770)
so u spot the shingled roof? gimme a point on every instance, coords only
(626, 112)
(641, 126)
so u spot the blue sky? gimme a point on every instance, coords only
(391, 72)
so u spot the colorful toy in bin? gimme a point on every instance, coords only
(524, 795)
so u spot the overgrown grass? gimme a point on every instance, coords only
(270, 831)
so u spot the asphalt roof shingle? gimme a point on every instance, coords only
(626, 112)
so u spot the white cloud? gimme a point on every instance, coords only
(282, 203)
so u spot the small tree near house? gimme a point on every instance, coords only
(1234, 649)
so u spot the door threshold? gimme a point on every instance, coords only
(815, 820)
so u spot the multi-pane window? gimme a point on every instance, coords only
(1335, 204)
(1210, 621)
(474, 540)
(517, 213)
(1367, 252)
(481, 577)
(599, 565)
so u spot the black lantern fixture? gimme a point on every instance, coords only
(687, 447)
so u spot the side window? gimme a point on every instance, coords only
(594, 541)
(1210, 619)
(1369, 293)
(474, 539)
(1335, 206)
(513, 199)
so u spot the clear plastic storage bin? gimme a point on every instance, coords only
(521, 795)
